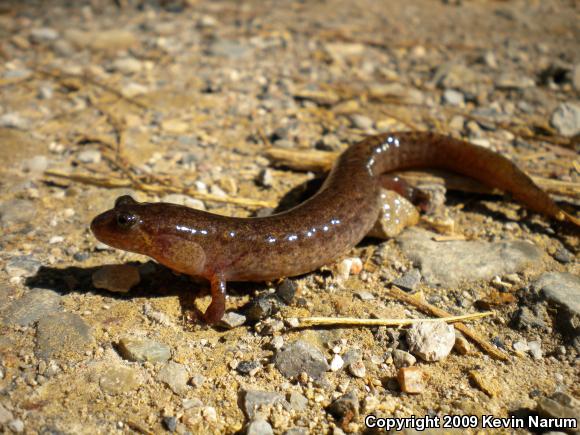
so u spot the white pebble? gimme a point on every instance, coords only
(336, 363)
(90, 156)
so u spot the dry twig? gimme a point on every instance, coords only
(110, 182)
(354, 321)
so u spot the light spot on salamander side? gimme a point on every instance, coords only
(185, 229)
(310, 232)
(292, 237)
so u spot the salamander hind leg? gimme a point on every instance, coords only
(396, 213)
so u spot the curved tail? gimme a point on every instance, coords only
(408, 150)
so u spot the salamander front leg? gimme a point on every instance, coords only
(217, 307)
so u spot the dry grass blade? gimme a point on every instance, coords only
(302, 160)
(425, 307)
(113, 183)
(353, 321)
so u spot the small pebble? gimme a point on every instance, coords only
(336, 363)
(31, 307)
(262, 307)
(403, 359)
(132, 89)
(566, 119)
(43, 34)
(535, 349)
(265, 178)
(127, 65)
(520, 346)
(559, 405)
(119, 380)
(411, 380)
(348, 267)
(197, 380)
(269, 326)
(143, 349)
(89, 156)
(453, 97)
(249, 368)
(461, 346)
(5, 415)
(431, 341)
(175, 376)
(157, 316)
(457, 123)
(345, 408)
(16, 426)
(45, 92)
(277, 342)
(81, 256)
(562, 289)
(169, 423)
(14, 120)
(118, 278)
(301, 356)
(525, 319)
(409, 280)
(190, 403)
(365, 296)
(253, 400)
(361, 121)
(259, 427)
(286, 290)
(22, 265)
(217, 191)
(37, 164)
(563, 255)
(231, 320)
(357, 369)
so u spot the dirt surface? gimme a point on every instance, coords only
(180, 102)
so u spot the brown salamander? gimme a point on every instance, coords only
(311, 234)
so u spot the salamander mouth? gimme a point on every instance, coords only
(103, 228)
(106, 229)
(119, 228)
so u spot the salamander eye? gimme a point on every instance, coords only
(126, 220)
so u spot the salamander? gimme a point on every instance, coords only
(313, 233)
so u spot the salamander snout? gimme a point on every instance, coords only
(120, 226)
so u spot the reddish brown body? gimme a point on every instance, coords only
(315, 232)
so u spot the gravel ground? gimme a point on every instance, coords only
(179, 101)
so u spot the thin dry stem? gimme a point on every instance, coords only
(112, 183)
(353, 321)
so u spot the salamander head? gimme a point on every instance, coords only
(155, 230)
(123, 226)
